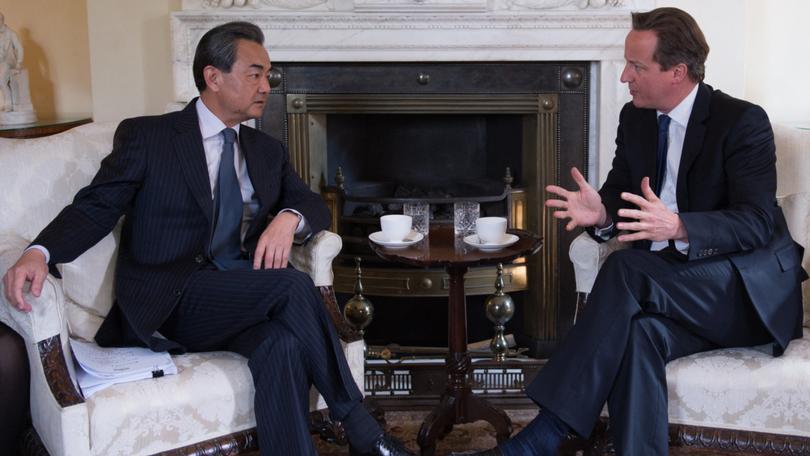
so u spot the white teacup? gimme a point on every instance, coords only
(491, 230)
(395, 226)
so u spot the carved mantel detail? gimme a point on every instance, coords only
(501, 4)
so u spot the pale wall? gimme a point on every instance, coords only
(130, 57)
(778, 58)
(54, 39)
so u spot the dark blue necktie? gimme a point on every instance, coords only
(225, 242)
(663, 143)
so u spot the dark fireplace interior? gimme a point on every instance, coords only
(410, 156)
(372, 136)
(426, 155)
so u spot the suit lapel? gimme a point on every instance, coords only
(257, 168)
(693, 142)
(188, 147)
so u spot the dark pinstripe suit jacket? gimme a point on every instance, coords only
(156, 177)
(726, 197)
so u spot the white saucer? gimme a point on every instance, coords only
(507, 240)
(412, 238)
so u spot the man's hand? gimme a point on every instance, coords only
(30, 267)
(655, 222)
(583, 207)
(273, 248)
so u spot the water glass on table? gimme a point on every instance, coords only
(420, 215)
(465, 213)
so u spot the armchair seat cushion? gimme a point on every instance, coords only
(211, 395)
(743, 388)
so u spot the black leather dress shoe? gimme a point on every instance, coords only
(386, 445)
(490, 452)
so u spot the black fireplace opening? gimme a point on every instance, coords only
(418, 156)
(424, 155)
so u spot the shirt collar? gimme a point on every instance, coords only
(680, 114)
(210, 125)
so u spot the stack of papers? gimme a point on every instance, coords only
(99, 367)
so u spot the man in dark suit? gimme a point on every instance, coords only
(693, 188)
(211, 209)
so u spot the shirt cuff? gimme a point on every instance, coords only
(41, 249)
(302, 221)
(302, 232)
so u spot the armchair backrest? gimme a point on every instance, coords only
(793, 191)
(40, 177)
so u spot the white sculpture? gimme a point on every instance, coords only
(15, 97)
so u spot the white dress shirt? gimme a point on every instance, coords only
(677, 133)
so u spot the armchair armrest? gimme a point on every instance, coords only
(57, 409)
(315, 257)
(587, 256)
(47, 319)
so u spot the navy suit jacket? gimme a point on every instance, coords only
(156, 177)
(726, 198)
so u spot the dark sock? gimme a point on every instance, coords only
(541, 437)
(361, 429)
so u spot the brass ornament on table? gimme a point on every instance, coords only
(499, 309)
(358, 311)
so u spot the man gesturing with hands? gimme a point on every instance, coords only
(692, 188)
(652, 220)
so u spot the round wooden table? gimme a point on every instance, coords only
(458, 404)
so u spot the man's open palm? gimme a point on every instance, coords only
(582, 207)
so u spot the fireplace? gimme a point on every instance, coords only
(567, 103)
(372, 136)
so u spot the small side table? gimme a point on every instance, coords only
(41, 127)
(458, 404)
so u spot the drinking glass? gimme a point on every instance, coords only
(465, 213)
(420, 214)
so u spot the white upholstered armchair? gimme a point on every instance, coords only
(207, 405)
(738, 399)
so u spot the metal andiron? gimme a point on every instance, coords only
(359, 311)
(499, 309)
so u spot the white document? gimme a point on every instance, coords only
(100, 367)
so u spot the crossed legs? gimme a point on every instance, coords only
(276, 319)
(646, 308)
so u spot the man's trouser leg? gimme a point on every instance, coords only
(705, 302)
(221, 310)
